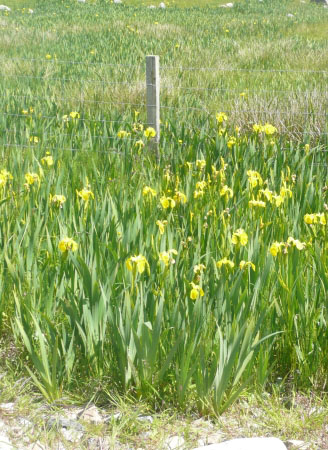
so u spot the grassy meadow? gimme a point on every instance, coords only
(182, 280)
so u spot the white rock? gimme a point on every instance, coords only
(31, 11)
(5, 443)
(81, 1)
(229, 5)
(162, 5)
(71, 435)
(117, 1)
(91, 414)
(7, 407)
(247, 444)
(146, 419)
(175, 442)
(4, 8)
(290, 15)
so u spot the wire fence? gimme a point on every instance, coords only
(42, 104)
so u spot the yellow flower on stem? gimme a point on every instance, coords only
(161, 225)
(149, 132)
(296, 243)
(256, 203)
(47, 160)
(276, 248)
(148, 191)
(196, 291)
(166, 257)
(4, 177)
(225, 262)
(254, 178)
(199, 268)
(221, 117)
(200, 164)
(137, 262)
(85, 194)
(74, 115)
(226, 192)
(67, 244)
(57, 199)
(123, 134)
(167, 202)
(245, 264)
(180, 197)
(32, 178)
(239, 237)
(269, 129)
(311, 219)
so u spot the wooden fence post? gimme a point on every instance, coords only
(153, 106)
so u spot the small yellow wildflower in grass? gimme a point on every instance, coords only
(231, 142)
(123, 134)
(140, 144)
(67, 244)
(34, 139)
(254, 178)
(225, 262)
(57, 199)
(196, 291)
(32, 178)
(47, 160)
(243, 94)
(166, 257)
(285, 192)
(180, 197)
(221, 117)
(296, 243)
(307, 148)
(256, 203)
(189, 165)
(276, 248)
(269, 129)
(137, 262)
(74, 115)
(201, 185)
(148, 191)
(4, 177)
(85, 194)
(149, 132)
(199, 268)
(239, 237)
(225, 191)
(278, 200)
(200, 164)
(48, 56)
(167, 202)
(267, 194)
(161, 225)
(318, 218)
(24, 111)
(198, 194)
(245, 264)
(257, 128)
(215, 172)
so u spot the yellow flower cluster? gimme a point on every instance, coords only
(239, 237)
(282, 247)
(4, 177)
(137, 262)
(317, 218)
(268, 129)
(67, 244)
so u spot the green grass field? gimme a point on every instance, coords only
(183, 279)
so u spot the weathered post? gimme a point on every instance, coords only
(153, 107)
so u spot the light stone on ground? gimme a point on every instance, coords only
(247, 444)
